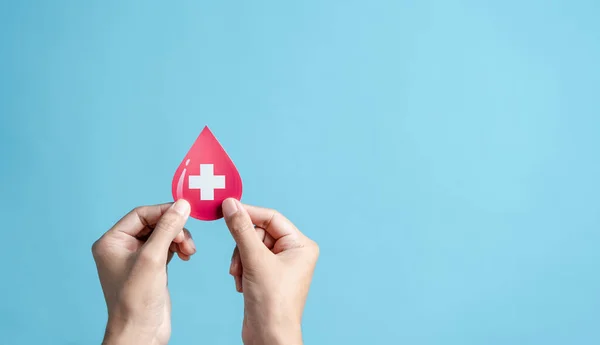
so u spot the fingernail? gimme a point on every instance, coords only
(229, 207)
(182, 207)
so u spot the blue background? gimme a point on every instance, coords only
(444, 154)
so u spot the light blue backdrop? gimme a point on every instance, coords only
(445, 155)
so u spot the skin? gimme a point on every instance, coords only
(272, 265)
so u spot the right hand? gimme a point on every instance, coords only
(132, 260)
(273, 265)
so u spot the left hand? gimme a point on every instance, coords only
(132, 260)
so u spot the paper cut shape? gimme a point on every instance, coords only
(206, 177)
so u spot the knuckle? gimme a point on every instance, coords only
(273, 214)
(243, 228)
(169, 222)
(138, 210)
(314, 246)
(98, 247)
(148, 258)
(240, 224)
(235, 269)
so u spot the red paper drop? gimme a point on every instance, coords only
(206, 177)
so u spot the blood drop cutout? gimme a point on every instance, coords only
(206, 177)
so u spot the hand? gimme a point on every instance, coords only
(132, 260)
(273, 265)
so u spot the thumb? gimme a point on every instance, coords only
(170, 224)
(240, 225)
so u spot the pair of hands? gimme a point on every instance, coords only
(272, 265)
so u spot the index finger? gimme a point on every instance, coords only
(139, 218)
(274, 223)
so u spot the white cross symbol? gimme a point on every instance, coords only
(207, 182)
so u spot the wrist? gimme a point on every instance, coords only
(275, 334)
(284, 336)
(124, 333)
